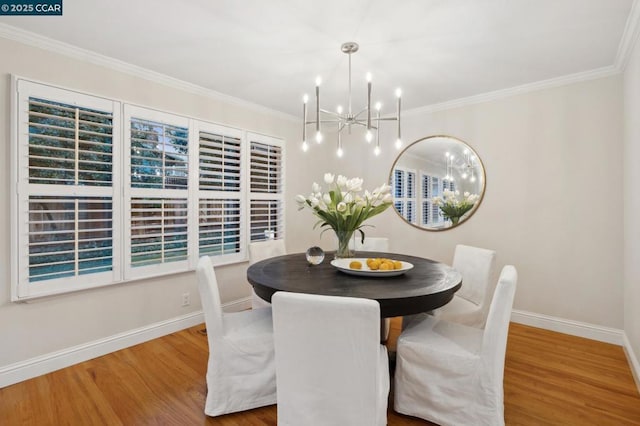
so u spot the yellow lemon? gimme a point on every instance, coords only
(384, 266)
(397, 264)
(355, 265)
(374, 265)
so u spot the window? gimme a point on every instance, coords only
(67, 190)
(266, 217)
(220, 227)
(110, 192)
(404, 193)
(156, 197)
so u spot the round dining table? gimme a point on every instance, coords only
(426, 286)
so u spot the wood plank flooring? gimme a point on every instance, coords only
(550, 379)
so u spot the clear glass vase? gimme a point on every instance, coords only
(344, 238)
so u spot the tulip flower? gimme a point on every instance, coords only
(344, 206)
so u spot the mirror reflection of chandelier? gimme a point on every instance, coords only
(345, 119)
(466, 169)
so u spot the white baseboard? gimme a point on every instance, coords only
(238, 305)
(581, 329)
(53, 361)
(634, 362)
(574, 328)
(44, 364)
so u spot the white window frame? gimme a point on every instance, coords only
(279, 196)
(121, 192)
(22, 90)
(132, 273)
(196, 194)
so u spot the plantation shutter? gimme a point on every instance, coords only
(219, 162)
(108, 193)
(158, 230)
(156, 199)
(66, 145)
(220, 213)
(427, 203)
(404, 193)
(399, 189)
(266, 217)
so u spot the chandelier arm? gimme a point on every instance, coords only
(334, 114)
(360, 112)
(362, 123)
(324, 121)
(387, 119)
(365, 123)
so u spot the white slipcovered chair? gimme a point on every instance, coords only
(380, 244)
(260, 251)
(452, 374)
(330, 366)
(241, 370)
(470, 304)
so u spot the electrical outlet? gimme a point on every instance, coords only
(186, 299)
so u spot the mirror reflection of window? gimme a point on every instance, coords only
(404, 193)
(428, 169)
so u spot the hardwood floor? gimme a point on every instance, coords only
(550, 379)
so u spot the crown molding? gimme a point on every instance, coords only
(629, 37)
(517, 90)
(45, 43)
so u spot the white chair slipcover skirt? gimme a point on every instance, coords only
(452, 374)
(331, 368)
(241, 367)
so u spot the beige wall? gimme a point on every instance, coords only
(552, 207)
(553, 200)
(632, 202)
(43, 326)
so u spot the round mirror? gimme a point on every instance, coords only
(437, 183)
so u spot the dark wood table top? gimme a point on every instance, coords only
(427, 286)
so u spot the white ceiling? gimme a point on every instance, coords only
(269, 52)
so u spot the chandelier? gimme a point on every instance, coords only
(346, 119)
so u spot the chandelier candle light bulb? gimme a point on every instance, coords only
(399, 140)
(348, 118)
(318, 134)
(305, 99)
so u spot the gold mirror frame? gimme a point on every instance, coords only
(436, 157)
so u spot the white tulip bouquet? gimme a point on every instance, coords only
(344, 207)
(453, 208)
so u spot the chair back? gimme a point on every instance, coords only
(370, 244)
(477, 266)
(210, 297)
(494, 343)
(327, 359)
(265, 249)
